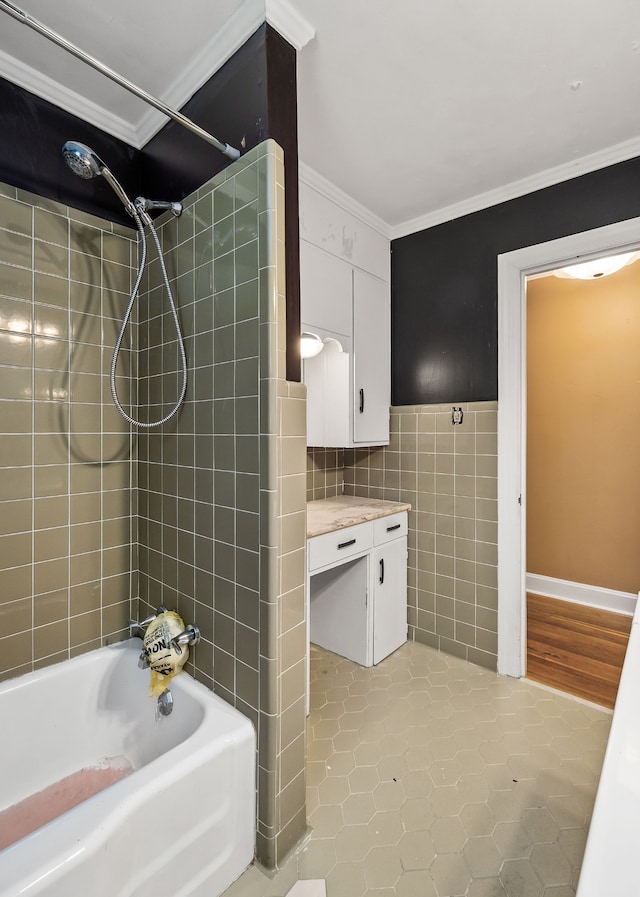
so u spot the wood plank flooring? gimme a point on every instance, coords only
(576, 649)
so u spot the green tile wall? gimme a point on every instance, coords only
(222, 486)
(66, 457)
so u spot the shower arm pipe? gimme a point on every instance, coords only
(21, 16)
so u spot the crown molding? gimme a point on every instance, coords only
(233, 34)
(326, 188)
(611, 155)
(58, 95)
(297, 30)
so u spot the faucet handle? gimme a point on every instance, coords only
(141, 624)
(190, 636)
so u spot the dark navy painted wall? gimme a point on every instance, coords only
(33, 133)
(252, 97)
(444, 283)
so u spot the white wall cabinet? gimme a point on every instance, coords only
(371, 360)
(345, 297)
(348, 391)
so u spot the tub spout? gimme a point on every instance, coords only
(165, 703)
(143, 661)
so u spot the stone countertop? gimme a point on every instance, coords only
(331, 514)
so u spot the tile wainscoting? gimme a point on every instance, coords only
(448, 473)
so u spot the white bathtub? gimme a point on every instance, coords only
(180, 825)
(610, 864)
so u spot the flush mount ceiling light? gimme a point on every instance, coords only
(310, 344)
(597, 267)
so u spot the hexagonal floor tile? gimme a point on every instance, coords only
(429, 776)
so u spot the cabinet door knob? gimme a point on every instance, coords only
(381, 580)
(361, 401)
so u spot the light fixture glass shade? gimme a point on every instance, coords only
(310, 344)
(597, 267)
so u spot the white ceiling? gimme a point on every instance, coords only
(419, 110)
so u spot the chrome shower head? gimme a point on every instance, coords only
(86, 164)
(82, 160)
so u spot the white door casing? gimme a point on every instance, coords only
(513, 268)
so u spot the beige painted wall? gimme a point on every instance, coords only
(583, 429)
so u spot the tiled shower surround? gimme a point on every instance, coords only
(448, 473)
(66, 463)
(209, 510)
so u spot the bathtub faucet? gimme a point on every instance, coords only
(190, 636)
(142, 624)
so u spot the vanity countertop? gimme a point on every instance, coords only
(330, 514)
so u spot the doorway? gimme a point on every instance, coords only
(513, 268)
(583, 477)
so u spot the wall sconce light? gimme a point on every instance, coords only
(597, 268)
(310, 344)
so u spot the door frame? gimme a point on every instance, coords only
(513, 269)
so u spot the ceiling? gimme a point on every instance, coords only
(419, 111)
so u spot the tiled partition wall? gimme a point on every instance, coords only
(222, 487)
(449, 476)
(65, 454)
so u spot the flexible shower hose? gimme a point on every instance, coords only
(142, 258)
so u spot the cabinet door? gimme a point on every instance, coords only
(325, 290)
(389, 598)
(371, 359)
(339, 610)
(326, 377)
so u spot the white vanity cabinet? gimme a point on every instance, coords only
(345, 299)
(357, 589)
(389, 585)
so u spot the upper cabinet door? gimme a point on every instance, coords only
(371, 359)
(325, 290)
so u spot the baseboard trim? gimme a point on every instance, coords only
(580, 593)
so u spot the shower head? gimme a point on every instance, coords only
(82, 160)
(86, 164)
